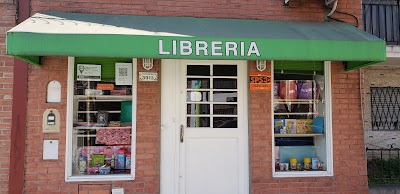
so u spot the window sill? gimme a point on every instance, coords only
(82, 178)
(301, 174)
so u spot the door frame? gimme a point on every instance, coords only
(170, 118)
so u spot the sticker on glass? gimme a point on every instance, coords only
(195, 96)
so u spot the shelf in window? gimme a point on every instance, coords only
(95, 111)
(103, 98)
(84, 135)
(298, 135)
(95, 127)
(296, 113)
(294, 101)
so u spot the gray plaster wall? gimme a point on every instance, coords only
(379, 76)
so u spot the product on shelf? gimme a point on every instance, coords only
(314, 163)
(305, 89)
(121, 159)
(105, 86)
(304, 126)
(278, 125)
(290, 125)
(288, 89)
(318, 125)
(276, 89)
(307, 163)
(113, 136)
(293, 163)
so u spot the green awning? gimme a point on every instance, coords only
(101, 35)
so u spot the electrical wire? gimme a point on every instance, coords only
(356, 19)
(339, 20)
(333, 9)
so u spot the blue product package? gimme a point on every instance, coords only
(278, 125)
(318, 125)
(120, 164)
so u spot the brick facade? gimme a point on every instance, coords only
(44, 176)
(48, 176)
(301, 10)
(7, 21)
(348, 142)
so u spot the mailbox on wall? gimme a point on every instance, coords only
(51, 121)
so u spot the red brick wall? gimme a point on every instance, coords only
(349, 163)
(305, 10)
(7, 20)
(350, 173)
(45, 176)
(48, 176)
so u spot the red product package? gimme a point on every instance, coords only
(288, 89)
(113, 136)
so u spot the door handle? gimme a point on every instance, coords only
(181, 133)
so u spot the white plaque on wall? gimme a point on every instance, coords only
(148, 76)
(54, 91)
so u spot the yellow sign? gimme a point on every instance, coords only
(260, 81)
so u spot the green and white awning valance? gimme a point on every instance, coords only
(101, 35)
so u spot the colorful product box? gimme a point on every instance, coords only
(107, 151)
(291, 126)
(278, 125)
(105, 86)
(304, 126)
(318, 126)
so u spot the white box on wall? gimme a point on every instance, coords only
(50, 149)
(117, 191)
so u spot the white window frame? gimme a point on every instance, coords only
(328, 131)
(69, 127)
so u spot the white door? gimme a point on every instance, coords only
(213, 142)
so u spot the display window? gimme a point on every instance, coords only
(101, 107)
(301, 119)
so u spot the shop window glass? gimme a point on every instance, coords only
(211, 96)
(101, 134)
(301, 119)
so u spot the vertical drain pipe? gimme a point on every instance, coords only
(19, 109)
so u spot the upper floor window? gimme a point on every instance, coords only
(385, 108)
(381, 18)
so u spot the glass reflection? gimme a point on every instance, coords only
(197, 96)
(225, 96)
(225, 109)
(225, 83)
(225, 122)
(224, 70)
(198, 109)
(200, 70)
(198, 122)
(198, 83)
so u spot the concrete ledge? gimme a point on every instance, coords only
(393, 51)
(384, 189)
